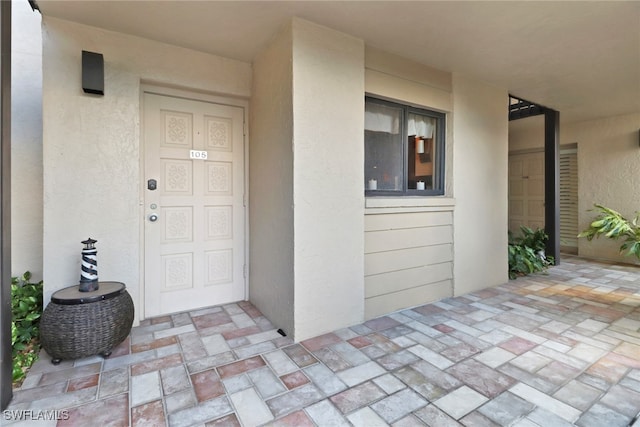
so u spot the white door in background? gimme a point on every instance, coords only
(526, 191)
(194, 225)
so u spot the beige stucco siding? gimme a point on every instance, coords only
(608, 174)
(307, 160)
(91, 144)
(527, 134)
(322, 256)
(26, 142)
(328, 144)
(271, 281)
(480, 127)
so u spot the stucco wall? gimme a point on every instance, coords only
(608, 165)
(271, 282)
(608, 174)
(527, 134)
(328, 143)
(26, 142)
(480, 156)
(401, 80)
(91, 144)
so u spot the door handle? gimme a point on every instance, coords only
(153, 217)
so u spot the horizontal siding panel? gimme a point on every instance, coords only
(384, 262)
(389, 283)
(380, 305)
(406, 220)
(380, 241)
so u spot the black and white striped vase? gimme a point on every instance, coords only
(89, 270)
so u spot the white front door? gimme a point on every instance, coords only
(526, 191)
(194, 221)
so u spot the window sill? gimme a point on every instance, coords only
(375, 205)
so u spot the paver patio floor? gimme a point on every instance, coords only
(548, 350)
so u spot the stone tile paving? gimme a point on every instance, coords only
(546, 350)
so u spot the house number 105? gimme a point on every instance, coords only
(200, 155)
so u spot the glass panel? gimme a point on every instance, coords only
(382, 118)
(422, 152)
(383, 148)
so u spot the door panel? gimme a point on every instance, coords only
(526, 194)
(526, 191)
(194, 251)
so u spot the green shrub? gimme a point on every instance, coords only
(615, 226)
(26, 310)
(526, 252)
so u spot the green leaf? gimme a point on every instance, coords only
(613, 225)
(524, 251)
(32, 316)
(26, 310)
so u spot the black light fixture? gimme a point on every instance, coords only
(92, 73)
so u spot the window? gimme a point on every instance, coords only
(403, 150)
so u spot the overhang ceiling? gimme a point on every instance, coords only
(580, 58)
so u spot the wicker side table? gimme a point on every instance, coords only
(80, 324)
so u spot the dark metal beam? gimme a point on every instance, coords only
(519, 110)
(525, 112)
(6, 359)
(523, 108)
(34, 5)
(552, 182)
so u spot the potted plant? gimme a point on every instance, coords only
(527, 252)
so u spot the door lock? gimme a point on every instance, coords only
(152, 184)
(153, 217)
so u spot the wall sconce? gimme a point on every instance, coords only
(420, 145)
(92, 73)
